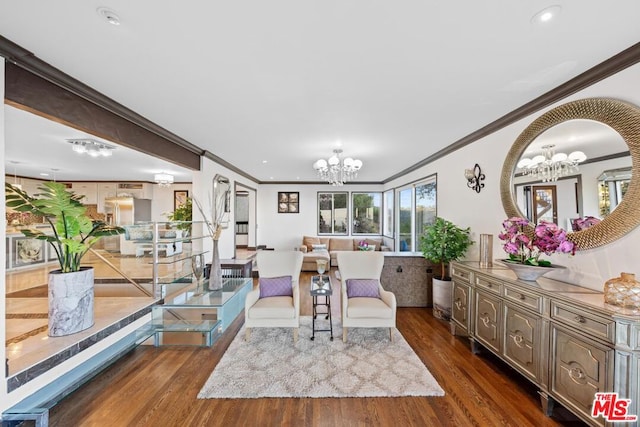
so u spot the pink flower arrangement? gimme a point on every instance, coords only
(363, 245)
(547, 239)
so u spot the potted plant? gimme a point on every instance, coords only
(73, 234)
(183, 214)
(441, 243)
(525, 246)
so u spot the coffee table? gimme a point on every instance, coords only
(319, 290)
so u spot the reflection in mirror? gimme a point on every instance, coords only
(607, 131)
(221, 201)
(612, 186)
(556, 178)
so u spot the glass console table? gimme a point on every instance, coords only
(201, 311)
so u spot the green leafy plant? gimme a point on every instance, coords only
(74, 233)
(443, 242)
(184, 212)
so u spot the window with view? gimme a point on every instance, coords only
(366, 209)
(332, 213)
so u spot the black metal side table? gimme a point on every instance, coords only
(321, 287)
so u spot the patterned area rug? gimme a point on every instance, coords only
(271, 365)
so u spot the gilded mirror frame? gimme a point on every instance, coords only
(622, 117)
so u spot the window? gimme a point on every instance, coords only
(388, 213)
(365, 211)
(332, 213)
(416, 208)
(425, 207)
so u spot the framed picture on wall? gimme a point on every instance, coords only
(288, 202)
(179, 198)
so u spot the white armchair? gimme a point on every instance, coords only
(365, 311)
(278, 311)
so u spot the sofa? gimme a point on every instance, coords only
(327, 248)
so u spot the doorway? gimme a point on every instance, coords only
(245, 226)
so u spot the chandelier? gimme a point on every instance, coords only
(91, 147)
(163, 179)
(549, 166)
(337, 171)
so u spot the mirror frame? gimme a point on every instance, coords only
(622, 117)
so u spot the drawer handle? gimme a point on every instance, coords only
(485, 320)
(489, 285)
(522, 297)
(458, 303)
(518, 340)
(576, 373)
(580, 319)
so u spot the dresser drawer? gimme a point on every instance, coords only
(488, 284)
(523, 298)
(460, 274)
(586, 323)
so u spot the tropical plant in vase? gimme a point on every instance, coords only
(73, 234)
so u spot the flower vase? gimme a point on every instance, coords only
(529, 273)
(215, 276)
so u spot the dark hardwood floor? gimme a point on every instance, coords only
(158, 387)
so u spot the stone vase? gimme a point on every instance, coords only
(215, 276)
(70, 301)
(442, 298)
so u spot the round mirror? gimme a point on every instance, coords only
(549, 137)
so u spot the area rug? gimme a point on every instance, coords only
(272, 365)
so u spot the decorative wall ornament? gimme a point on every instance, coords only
(474, 178)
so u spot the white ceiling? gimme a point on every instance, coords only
(284, 80)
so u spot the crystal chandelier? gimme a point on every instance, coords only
(91, 147)
(163, 179)
(337, 171)
(549, 166)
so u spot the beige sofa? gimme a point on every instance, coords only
(332, 245)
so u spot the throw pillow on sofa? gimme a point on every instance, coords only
(309, 241)
(319, 247)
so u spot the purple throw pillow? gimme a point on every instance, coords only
(275, 286)
(367, 288)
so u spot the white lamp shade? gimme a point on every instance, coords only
(577, 156)
(537, 159)
(348, 162)
(559, 157)
(334, 160)
(357, 164)
(523, 163)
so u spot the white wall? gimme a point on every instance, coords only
(162, 203)
(483, 212)
(3, 231)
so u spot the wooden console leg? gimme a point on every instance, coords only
(475, 347)
(452, 327)
(547, 403)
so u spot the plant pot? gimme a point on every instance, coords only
(529, 273)
(70, 301)
(442, 298)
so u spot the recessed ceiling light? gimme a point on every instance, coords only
(265, 162)
(546, 15)
(44, 174)
(109, 15)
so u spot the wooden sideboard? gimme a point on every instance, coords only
(561, 337)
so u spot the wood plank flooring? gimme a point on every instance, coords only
(158, 387)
